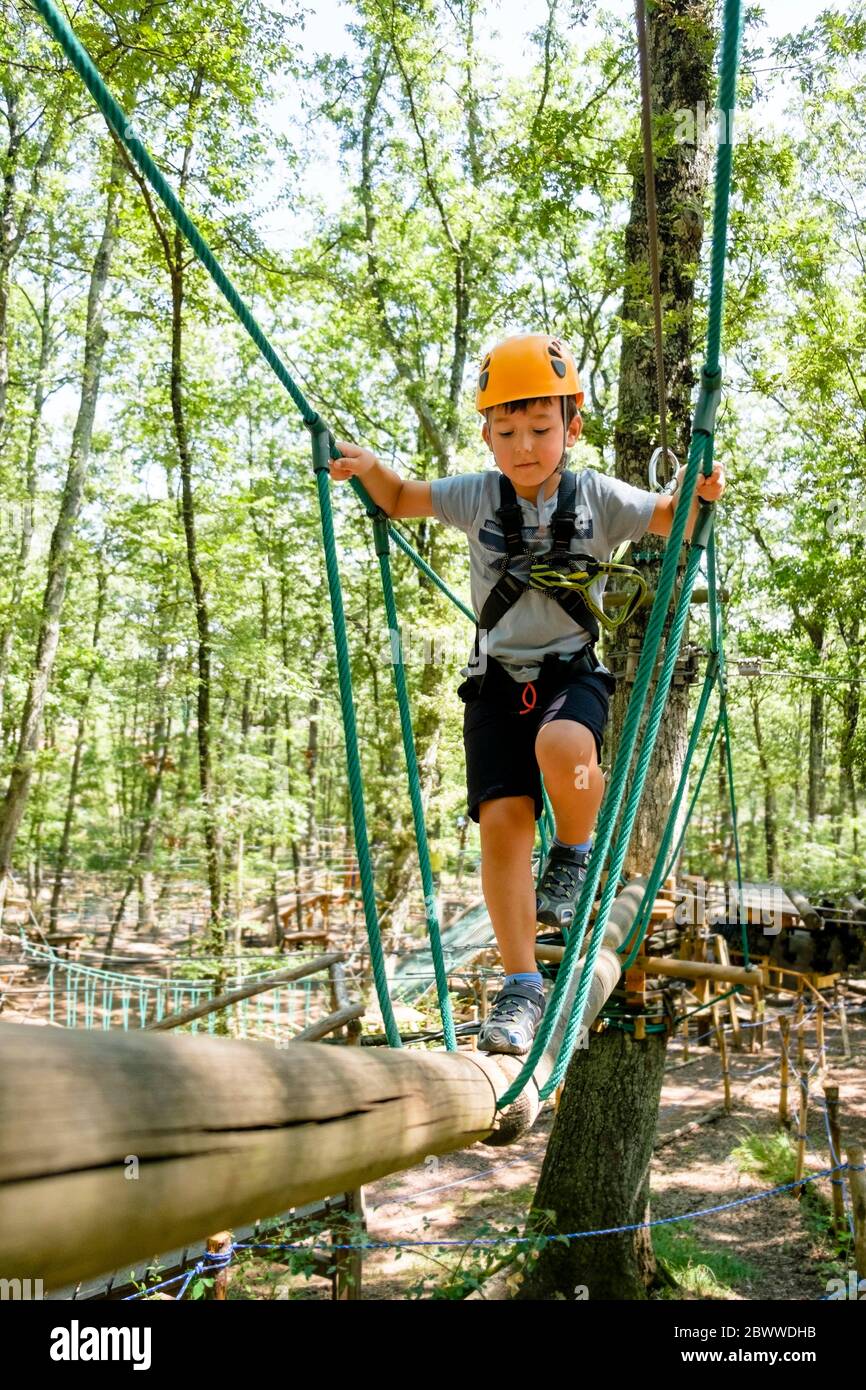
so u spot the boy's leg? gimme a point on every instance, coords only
(507, 825)
(507, 834)
(566, 754)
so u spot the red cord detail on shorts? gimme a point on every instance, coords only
(529, 696)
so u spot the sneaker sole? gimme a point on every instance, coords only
(547, 918)
(506, 1049)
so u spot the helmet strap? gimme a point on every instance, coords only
(563, 460)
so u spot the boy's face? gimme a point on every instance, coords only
(527, 444)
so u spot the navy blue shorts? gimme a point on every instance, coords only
(500, 742)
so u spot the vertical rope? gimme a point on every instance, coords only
(321, 465)
(380, 533)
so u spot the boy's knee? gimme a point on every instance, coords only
(506, 816)
(566, 736)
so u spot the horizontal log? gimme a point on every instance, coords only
(314, 1031)
(810, 915)
(667, 965)
(188, 1134)
(233, 996)
(699, 970)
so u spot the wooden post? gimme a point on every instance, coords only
(484, 1002)
(723, 1056)
(349, 1264)
(685, 1039)
(219, 1244)
(843, 1022)
(857, 1185)
(723, 956)
(640, 1028)
(831, 1097)
(800, 1025)
(756, 1012)
(323, 1026)
(785, 1030)
(819, 1039)
(759, 997)
(803, 1082)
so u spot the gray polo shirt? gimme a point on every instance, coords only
(608, 512)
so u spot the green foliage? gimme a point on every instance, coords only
(697, 1270)
(770, 1156)
(461, 202)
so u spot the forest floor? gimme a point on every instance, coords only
(776, 1248)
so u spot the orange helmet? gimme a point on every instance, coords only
(524, 367)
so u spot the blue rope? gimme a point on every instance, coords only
(490, 1241)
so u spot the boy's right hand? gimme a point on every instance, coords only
(355, 461)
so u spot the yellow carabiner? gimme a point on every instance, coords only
(581, 578)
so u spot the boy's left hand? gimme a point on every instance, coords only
(712, 487)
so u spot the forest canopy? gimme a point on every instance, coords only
(391, 197)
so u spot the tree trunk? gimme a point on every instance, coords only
(61, 540)
(848, 732)
(769, 790)
(597, 1169)
(174, 251)
(72, 794)
(140, 874)
(596, 1173)
(816, 753)
(311, 760)
(16, 212)
(680, 79)
(7, 635)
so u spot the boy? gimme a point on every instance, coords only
(536, 695)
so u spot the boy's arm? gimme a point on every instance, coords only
(398, 497)
(709, 488)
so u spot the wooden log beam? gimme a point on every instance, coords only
(314, 1031)
(190, 1134)
(222, 1001)
(698, 970)
(675, 969)
(810, 915)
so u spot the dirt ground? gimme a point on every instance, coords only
(776, 1248)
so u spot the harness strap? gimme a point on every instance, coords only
(508, 587)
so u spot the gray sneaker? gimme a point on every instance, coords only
(560, 885)
(510, 1026)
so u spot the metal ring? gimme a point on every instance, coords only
(655, 485)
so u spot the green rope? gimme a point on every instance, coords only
(324, 449)
(714, 665)
(421, 564)
(716, 618)
(698, 785)
(321, 465)
(380, 533)
(631, 946)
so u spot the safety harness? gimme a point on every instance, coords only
(566, 577)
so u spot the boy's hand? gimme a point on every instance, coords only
(712, 487)
(354, 463)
